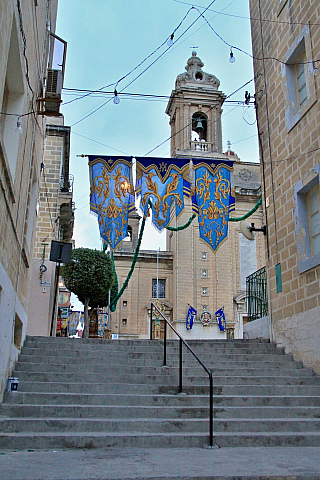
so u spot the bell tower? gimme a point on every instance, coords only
(195, 108)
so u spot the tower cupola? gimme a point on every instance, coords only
(195, 108)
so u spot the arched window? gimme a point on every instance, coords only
(129, 236)
(199, 127)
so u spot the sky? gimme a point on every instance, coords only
(107, 39)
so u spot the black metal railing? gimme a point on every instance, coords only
(257, 297)
(182, 341)
(66, 183)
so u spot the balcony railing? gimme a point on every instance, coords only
(201, 146)
(257, 298)
(66, 184)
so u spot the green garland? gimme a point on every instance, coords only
(186, 225)
(114, 302)
(247, 214)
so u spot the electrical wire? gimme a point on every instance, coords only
(249, 18)
(210, 108)
(137, 66)
(24, 41)
(140, 74)
(249, 54)
(95, 141)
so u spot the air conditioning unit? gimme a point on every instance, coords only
(53, 91)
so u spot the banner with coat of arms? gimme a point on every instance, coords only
(212, 199)
(161, 180)
(111, 196)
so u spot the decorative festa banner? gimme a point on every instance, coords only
(190, 317)
(221, 319)
(162, 180)
(212, 199)
(111, 196)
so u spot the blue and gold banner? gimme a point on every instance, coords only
(191, 315)
(111, 196)
(212, 199)
(161, 180)
(221, 319)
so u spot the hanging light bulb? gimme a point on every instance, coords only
(116, 99)
(18, 128)
(170, 40)
(232, 58)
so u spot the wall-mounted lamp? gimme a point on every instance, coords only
(262, 229)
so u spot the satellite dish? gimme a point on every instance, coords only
(245, 228)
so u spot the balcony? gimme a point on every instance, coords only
(67, 207)
(201, 147)
(66, 184)
(257, 297)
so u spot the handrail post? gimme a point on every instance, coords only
(165, 345)
(151, 314)
(180, 366)
(211, 411)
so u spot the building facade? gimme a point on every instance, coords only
(27, 96)
(286, 51)
(55, 221)
(189, 272)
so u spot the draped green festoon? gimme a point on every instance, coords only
(113, 304)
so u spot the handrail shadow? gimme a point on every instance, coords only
(182, 341)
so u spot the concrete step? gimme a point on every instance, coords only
(159, 377)
(148, 388)
(155, 411)
(70, 349)
(124, 342)
(159, 425)
(228, 373)
(159, 399)
(78, 367)
(173, 358)
(46, 440)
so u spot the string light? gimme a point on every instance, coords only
(18, 128)
(116, 99)
(170, 40)
(232, 58)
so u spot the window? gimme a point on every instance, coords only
(298, 79)
(204, 256)
(124, 321)
(301, 83)
(12, 103)
(314, 219)
(204, 291)
(124, 303)
(307, 220)
(161, 290)
(204, 273)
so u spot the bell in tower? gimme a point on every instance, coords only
(195, 108)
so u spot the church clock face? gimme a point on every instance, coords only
(245, 174)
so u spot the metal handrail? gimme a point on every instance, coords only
(182, 341)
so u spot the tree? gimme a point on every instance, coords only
(89, 275)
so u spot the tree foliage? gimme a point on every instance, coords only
(89, 275)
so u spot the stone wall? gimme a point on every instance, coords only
(289, 132)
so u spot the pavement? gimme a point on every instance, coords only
(244, 463)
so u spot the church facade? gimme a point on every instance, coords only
(189, 272)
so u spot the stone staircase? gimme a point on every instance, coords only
(92, 393)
